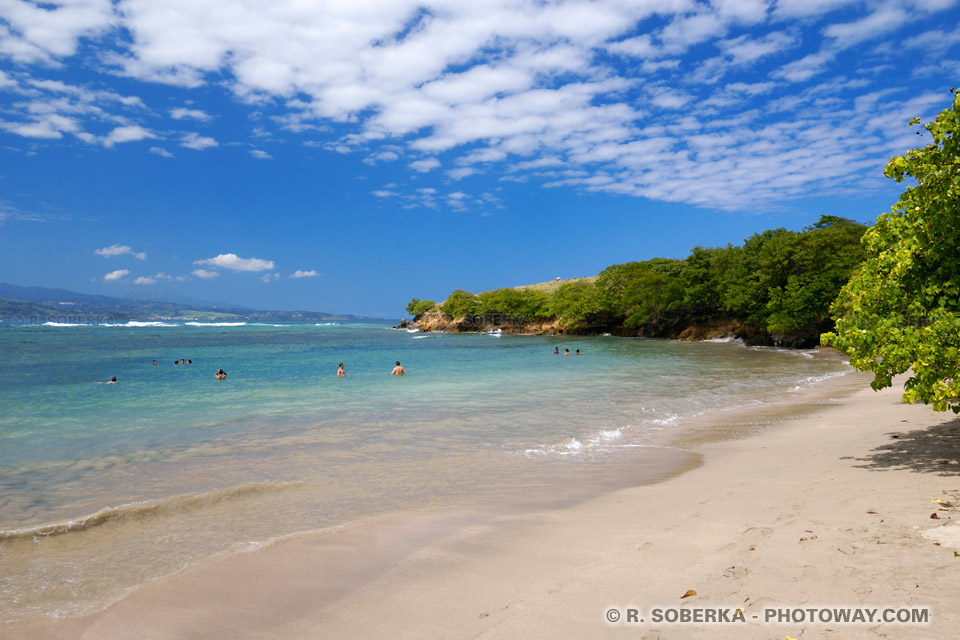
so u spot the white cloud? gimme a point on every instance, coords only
(120, 250)
(145, 280)
(160, 151)
(195, 141)
(41, 34)
(598, 95)
(235, 263)
(806, 8)
(745, 49)
(260, 155)
(935, 41)
(270, 277)
(304, 274)
(192, 114)
(130, 133)
(425, 165)
(883, 20)
(460, 174)
(670, 99)
(804, 68)
(641, 46)
(205, 274)
(119, 274)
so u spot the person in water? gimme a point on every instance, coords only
(154, 362)
(221, 374)
(556, 350)
(176, 362)
(189, 361)
(578, 351)
(398, 370)
(113, 380)
(340, 372)
(566, 352)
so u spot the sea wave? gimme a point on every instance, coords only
(140, 511)
(65, 324)
(136, 323)
(600, 443)
(215, 324)
(727, 339)
(810, 381)
(327, 324)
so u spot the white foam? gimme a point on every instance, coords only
(63, 324)
(810, 381)
(135, 323)
(733, 339)
(606, 436)
(215, 324)
(327, 324)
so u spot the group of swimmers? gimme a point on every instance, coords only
(566, 352)
(398, 370)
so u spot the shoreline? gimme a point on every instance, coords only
(775, 499)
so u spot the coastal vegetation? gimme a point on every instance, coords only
(775, 288)
(901, 310)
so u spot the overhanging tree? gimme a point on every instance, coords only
(901, 310)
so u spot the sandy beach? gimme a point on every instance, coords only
(831, 509)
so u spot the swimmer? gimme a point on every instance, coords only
(220, 375)
(182, 361)
(176, 362)
(154, 362)
(113, 380)
(340, 372)
(556, 350)
(578, 351)
(189, 361)
(566, 352)
(398, 370)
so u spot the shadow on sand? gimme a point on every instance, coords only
(935, 449)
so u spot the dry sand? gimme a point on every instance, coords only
(831, 509)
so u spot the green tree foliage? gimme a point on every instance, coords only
(461, 303)
(700, 279)
(519, 303)
(418, 307)
(778, 282)
(820, 263)
(901, 310)
(638, 290)
(574, 302)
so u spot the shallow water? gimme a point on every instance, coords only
(104, 487)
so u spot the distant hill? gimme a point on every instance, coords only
(42, 304)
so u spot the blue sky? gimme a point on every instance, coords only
(347, 156)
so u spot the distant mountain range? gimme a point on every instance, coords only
(40, 304)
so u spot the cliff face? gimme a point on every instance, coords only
(437, 321)
(691, 327)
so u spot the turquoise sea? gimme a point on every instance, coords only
(106, 486)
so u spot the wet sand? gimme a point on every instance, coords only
(831, 508)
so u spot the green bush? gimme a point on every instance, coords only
(418, 307)
(461, 303)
